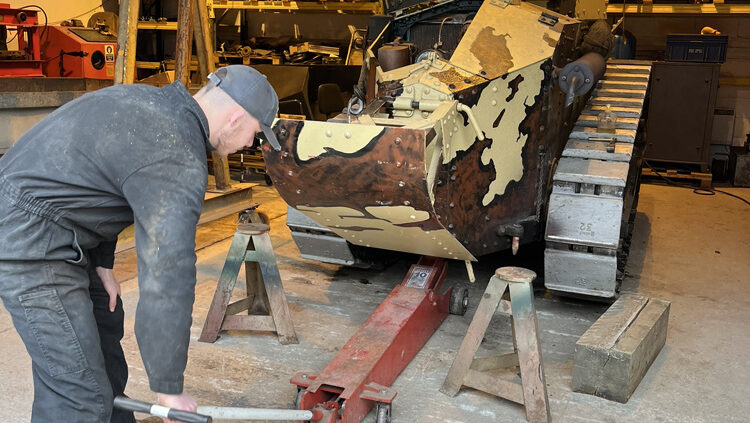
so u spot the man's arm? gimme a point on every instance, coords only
(166, 198)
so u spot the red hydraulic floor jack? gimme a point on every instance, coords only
(360, 375)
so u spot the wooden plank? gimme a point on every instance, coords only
(238, 306)
(492, 385)
(605, 332)
(704, 179)
(612, 357)
(224, 287)
(127, 34)
(274, 289)
(249, 323)
(469, 346)
(526, 332)
(184, 41)
(256, 289)
(495, 362)
(201, 35)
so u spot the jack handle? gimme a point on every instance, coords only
(128, 404)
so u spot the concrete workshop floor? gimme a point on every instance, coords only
(688, 249)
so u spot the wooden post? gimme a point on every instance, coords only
(184, 41)
(206, 64)
(526, 334)
(127, 34)
(200, 35)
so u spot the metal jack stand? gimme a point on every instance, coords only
(472, 372)
(251, 245)
(358, 377)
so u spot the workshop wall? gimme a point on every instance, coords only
(58, 11)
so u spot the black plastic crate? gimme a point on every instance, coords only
(696, 48)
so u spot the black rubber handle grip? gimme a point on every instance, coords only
(129, 404)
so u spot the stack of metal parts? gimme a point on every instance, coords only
(595, 189)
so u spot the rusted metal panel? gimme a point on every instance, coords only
(475, 137)
(502, 39)
(369, 190)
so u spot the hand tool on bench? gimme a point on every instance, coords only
(207, 414)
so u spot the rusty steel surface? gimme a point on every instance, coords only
(459, 149)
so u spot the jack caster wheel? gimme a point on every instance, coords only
(384, 413)
(459, 301)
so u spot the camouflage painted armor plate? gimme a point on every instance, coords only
(457, 155)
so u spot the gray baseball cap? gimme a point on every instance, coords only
(251, 90)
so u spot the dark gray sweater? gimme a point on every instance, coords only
(129, 153)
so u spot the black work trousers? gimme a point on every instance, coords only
(61, 312)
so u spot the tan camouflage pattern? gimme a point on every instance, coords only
(420, 180)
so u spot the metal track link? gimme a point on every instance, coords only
(595, 189)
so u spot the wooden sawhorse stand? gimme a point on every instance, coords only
(251, 245)
(472, 372)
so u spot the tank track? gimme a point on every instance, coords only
(592, 206)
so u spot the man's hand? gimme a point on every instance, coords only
(110, 285)
(179, 402)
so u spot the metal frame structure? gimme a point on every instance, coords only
(26, 22)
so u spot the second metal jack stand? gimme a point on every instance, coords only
(472, 372)
(359, 377)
